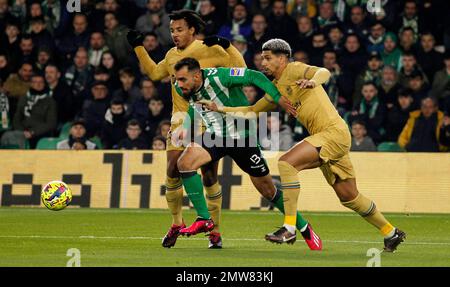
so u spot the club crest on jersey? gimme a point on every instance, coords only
(289, 90)
(237, 72)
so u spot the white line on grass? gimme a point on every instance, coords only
(236, 212)
(193, 238)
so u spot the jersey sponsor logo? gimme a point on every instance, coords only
(237, 72)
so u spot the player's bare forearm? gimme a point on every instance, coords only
(155, 72)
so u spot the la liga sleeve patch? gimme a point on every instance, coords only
(237, 72)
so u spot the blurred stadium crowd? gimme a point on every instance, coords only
(72, 81)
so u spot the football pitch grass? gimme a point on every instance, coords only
(132, 237)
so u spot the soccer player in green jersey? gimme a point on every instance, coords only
(224, 137)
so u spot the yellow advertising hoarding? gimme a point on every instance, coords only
(397, 182)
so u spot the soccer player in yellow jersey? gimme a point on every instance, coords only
(327, 147)
(212, 52)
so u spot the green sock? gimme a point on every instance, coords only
(192, 183)
(278, 202)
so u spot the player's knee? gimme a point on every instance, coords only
(347, 195)
(286, 159)
(187, 162)
(184, 164)
(265, 186)
(345, 190)
(285, 167)
(268, 192)
(172, 168)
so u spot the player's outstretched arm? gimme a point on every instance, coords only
(242, 77)
(234, 58)
(216, 40)
(155, 72)
(263, 105)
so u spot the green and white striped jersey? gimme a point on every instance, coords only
(223, 86)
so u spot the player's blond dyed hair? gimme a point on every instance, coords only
(278, 46)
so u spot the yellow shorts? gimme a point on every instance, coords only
(173, 126)
(334, 146)
(169, 145)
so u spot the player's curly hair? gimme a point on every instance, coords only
(277, 46)
(192, 19)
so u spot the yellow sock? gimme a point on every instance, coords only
(368, 210)
(291, 190)
(174, 197)
(214, 202)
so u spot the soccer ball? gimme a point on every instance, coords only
(56, 195)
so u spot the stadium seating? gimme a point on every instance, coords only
(390, 147)
(13, 146)
(65, 130)
(50, 143)
(97, 142)
(47, 143)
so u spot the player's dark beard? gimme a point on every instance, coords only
(192, 94)
(189, 96)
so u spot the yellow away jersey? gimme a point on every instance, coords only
(208, 57)
(314, 108)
